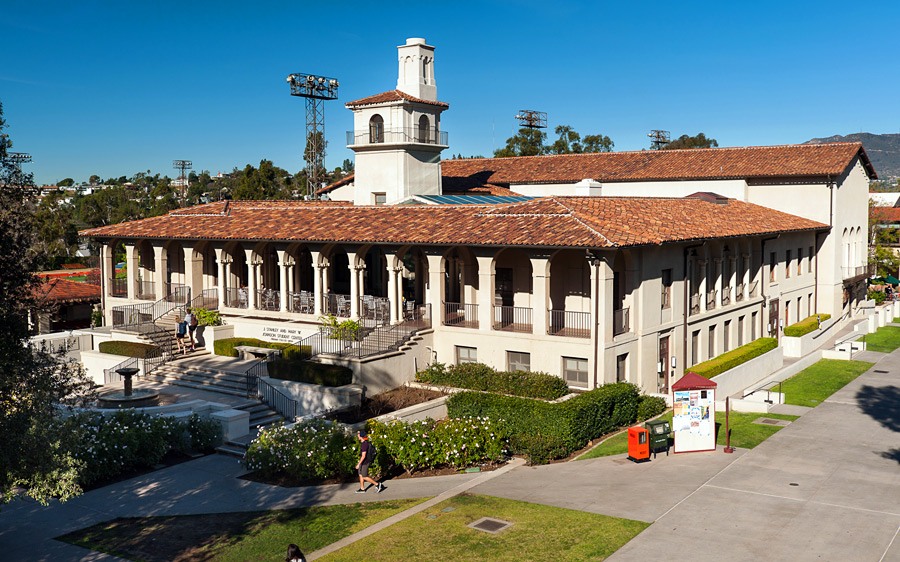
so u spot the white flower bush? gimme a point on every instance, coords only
(315, 449)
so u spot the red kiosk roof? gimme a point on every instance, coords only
(693, 381)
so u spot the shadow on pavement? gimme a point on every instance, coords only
(882, 404)
(892, 454)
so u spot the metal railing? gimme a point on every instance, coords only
(110, 376)
(739, 293)
(255, 371)
(379, 135)
(286, 406)
(417, 316)
(303, 302)
(621, 321)
(237, 297)
(569, 323)
(856, 271)
(376, 310)
(695, 304)
(268, 299)
(336, 305)
(118, 288)
(512, 319)
(208, 299)
(145, 290)
(461, 315)
(136, 317)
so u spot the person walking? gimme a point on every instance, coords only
(366, 456)
(191, 319)
(180, 333)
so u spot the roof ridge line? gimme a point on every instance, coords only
(582, 223)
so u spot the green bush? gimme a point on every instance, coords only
(340, 330)
(540, 429)
(478, 376)
(650, 407)
(110, 446)
(310, 372)
(455, 442)
(207, 317)
(806, 325)
(314, 449)
(129, 349)
(875, 295)
(733, 358)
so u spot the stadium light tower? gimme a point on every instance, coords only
(13, 162)
(658, 138)
(530, 119)
(182, 165)
(317, 90)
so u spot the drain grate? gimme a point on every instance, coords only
(770, 421)
(490, 525)
(767, 420)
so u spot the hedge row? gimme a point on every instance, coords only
(478, 376)
(806, 326)
(129, 349)
(288, 350)
(298, 370)
(543, 431)
(733, 358)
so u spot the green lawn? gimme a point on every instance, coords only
(885, 339)
(811, 386)
(538, 532)
(744, 433)
(233, 536)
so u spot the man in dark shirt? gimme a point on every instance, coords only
(365, 459)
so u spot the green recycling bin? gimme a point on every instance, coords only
(659, 435)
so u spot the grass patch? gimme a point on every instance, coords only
(441, 534)
(744, 433)
(811, 386)
(886, 339)
(232, 536)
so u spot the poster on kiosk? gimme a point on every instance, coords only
(694, 414)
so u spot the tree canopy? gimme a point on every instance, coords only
(699, 140)
(532, 142)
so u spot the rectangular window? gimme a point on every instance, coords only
(518, 361)
(666, 288)
(799, 261)
(712, 342)
(575, 371)
(809, 260)
(773, 263)
(754, 320)
(740, 333)
(695, 347)
(787, 264)
(622, 367)
(379, 198)
(809, 307)
(466, 355)
(727, 335)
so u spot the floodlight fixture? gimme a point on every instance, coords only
(531, 119)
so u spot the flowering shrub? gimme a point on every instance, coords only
(478, 376)
(311, 449)
(458, 442)
(109, 446)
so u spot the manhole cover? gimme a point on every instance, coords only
(490, 525)
(448, 509)
(770, 421)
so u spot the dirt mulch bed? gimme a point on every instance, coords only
(387, 402)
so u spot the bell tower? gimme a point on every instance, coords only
(397, 137)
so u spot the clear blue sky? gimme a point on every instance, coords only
(115, 88)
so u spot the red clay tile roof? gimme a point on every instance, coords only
(65, 291)
(885, 214)
(584, 222)
(393, 95)
(796, 160)
(450, 187)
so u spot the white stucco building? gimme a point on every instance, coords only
(623, 266)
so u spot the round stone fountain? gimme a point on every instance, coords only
(128, 397)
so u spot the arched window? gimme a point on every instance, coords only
(376, 129)
(424, 132)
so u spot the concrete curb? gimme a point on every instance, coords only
(514, 463)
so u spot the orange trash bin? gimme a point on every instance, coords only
(638, 444)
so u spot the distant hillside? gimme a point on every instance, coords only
(883, 150)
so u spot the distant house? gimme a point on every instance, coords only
(63, 305)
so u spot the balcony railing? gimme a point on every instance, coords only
(375, 309)
(337, 305)
(268, 299)
(857, 271)
(512, 319)
(417, 316)
(397, 135)
(118, 288)
(620, 321)
(461, 315)
(726, 296)
(145, 290)
(569, 324)
(695, 304)
(302, 302)
(711, 300)
(236, 297)
(739, 293)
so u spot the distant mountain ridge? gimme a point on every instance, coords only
(883, 150)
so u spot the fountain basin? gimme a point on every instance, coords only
(137, 398)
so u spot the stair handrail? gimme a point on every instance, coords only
(279, 400)
(255, 371)
(108, 374)
(136, 317)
